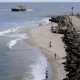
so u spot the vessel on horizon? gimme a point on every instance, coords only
(20, 8)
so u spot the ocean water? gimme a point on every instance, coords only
(18, 59)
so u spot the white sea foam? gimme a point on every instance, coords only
(39, 69)
(12, 43)
(15, 29)
(8, 31)
(4, 32)
(16, 37)
(44, 20)
(29, 10)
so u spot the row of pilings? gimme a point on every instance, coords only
(72, 48)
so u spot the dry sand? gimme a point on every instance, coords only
(76, 22)
(40, 37)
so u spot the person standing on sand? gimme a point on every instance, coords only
(50, 45)
(55, 55)
(40, 24)
(51, 28)
(46, 74)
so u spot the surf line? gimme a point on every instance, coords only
(12, 43)
(9, 31)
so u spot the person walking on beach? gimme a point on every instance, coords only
(51, 28)
(50, 45)
(46, 74)
(40, 24)
(55, 55)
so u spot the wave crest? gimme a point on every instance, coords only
(9, 31)
(12, 43)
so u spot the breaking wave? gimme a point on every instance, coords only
(43, 21)
(13, 42)
(39, 69)
(9, 31)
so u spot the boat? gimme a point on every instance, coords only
(20, 8)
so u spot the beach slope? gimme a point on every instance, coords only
(40, 37)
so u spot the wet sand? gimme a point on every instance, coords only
(40, 37)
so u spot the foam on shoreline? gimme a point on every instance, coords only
(9, 31)
(39, 68)
(12, 43)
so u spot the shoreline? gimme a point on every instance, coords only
(57, 68)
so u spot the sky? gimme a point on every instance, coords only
(39, 0)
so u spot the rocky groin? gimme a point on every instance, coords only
(72, 46)
(64, 24)
(72, 64)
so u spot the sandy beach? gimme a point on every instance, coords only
(40, 37)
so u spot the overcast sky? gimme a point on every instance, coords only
(39, 0)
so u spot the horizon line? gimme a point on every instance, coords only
(43, 1)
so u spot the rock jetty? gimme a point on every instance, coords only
(72, 46)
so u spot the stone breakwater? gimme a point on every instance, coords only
(72, 46)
